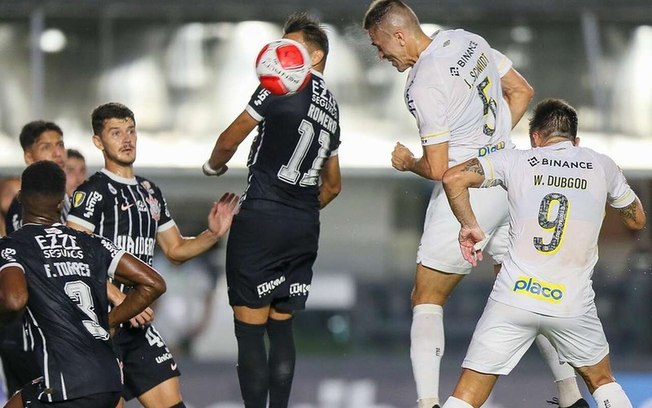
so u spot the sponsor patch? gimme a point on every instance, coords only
(78, 198)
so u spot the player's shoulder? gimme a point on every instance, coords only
(96, 181)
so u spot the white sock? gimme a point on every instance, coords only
(611, 396)
(453, 402)
(563, 373)
(427, 349)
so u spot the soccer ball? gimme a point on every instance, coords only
(283, 67)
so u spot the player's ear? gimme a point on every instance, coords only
(576, 142)
(316, 57)
(29, 159)
(400, 37)
(97, 141)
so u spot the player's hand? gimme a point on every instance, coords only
(402, 158)
(221, 214)
(142, 318)
(468, 239)
(209, 171)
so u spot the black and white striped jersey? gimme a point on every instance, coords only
(129, 212)
(66, 315)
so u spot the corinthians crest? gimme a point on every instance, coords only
(154, 208)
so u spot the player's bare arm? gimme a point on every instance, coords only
(331, 181)
(228, 142)
(431, 165)
(148, 285)
(13, 293)
(457, 181)
(633, 215)
(517, 92)
(179, 249)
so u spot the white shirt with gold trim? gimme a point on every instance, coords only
(557, 197)
(454, 92)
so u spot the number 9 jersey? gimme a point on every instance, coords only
(296, 135)
(557, 197)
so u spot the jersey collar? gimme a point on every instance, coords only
(119, 179)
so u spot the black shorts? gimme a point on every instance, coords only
(30, 393)
(145, 358)
(19, 366)
(269, 256)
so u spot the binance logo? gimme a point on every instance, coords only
(454, 71)
(533, 161)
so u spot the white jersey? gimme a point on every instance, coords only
(557, 196)
(454, 92)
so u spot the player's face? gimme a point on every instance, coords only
(75, 173)
(390, 47)
(48, 146)
(118, 141)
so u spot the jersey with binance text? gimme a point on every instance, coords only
(455, 94)
(66, 273)
(296, 135)
(557, 197)
(128, 211)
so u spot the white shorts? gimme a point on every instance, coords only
(504, 333)
(439, 248)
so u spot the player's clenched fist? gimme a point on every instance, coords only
(402, 158)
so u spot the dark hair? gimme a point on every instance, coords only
(111, 110)
(44, 178)
(313, 31)
(378, 9)
(75, 154)
(33, 130)
(554, 117)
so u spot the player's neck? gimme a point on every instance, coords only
(41, 219)
(126, 171)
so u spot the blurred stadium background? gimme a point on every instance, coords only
(186, 69)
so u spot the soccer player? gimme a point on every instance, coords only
(557, 194)
(75, 170)
(60, 276)
(293, 172)
(131, 212)
(466, 97)
(40, 140)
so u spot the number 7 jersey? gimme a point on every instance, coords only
(454, 92)
(557, 197)
(296, 135)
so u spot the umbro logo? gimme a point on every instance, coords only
(533, 161)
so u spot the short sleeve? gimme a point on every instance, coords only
(619, 193)
(87, 204)
(14, 216)
(503, 64)
(166, 222)
(259, 102)
(8, 254)
(110, 252)
(496, 168)
(428, 105)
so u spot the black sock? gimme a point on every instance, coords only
(252, 364)
(282, 356)
(179, 405)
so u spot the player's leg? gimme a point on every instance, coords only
(281, 357)
(165, 394)
(501, 338)
(431, 290)
(253, 371)
(564, 375)
(605, 390)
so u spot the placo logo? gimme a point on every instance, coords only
(548, 292)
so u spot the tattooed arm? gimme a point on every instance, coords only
(457, 181)
(633, 215)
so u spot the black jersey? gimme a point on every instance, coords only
(14, 216)
(296, 135)
(127, 211)
(66, 273)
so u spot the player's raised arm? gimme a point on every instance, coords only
(227, 144)
(633, 215)
(148, 285)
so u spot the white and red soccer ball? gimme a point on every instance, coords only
(283, 67)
